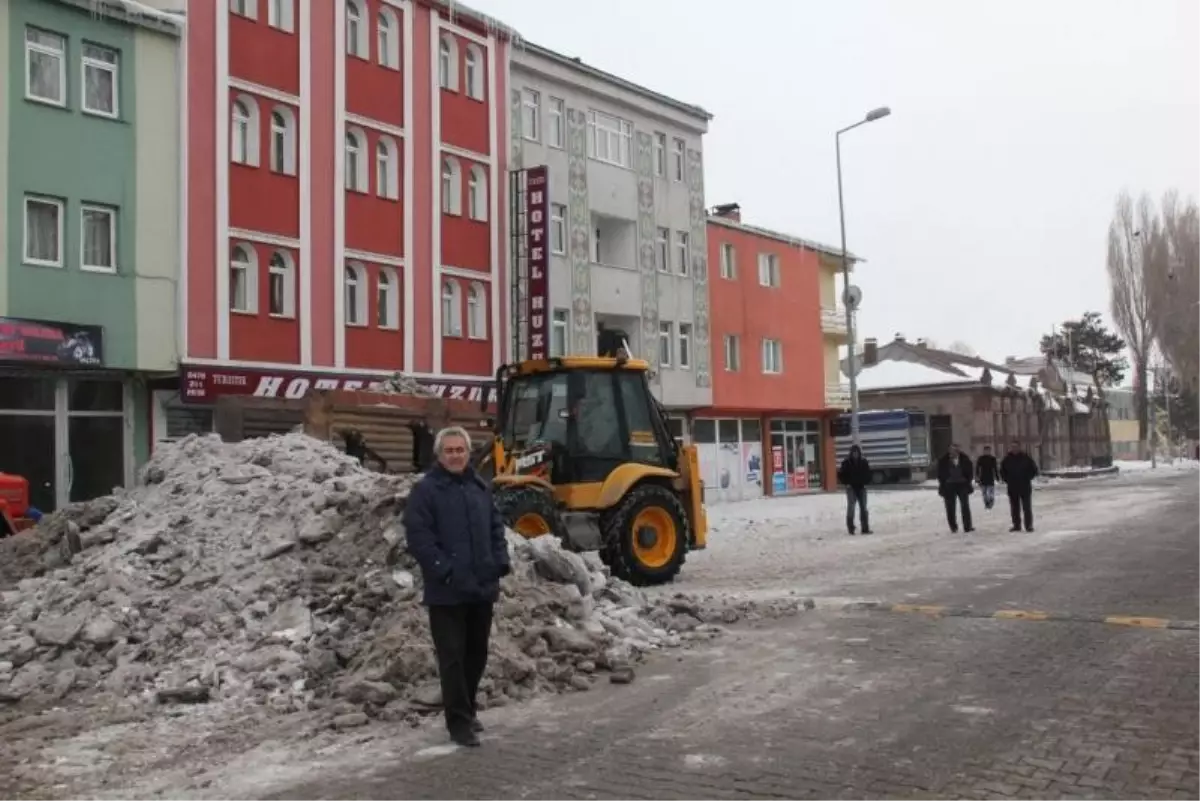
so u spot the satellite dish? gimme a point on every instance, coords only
(852, 297)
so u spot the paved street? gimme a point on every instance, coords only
(858, 703)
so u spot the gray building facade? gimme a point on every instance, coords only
(627, 231)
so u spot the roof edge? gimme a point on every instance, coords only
(133, 13)
(785, 238)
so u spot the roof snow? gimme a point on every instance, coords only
(893, 374)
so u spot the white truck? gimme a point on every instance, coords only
(894, 441)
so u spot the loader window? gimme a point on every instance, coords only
(644, 443)
(537, 408)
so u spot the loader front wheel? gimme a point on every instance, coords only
(646, 536)
(530, 512)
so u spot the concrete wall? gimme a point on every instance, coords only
(635, 195)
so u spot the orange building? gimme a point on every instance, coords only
(776, 327)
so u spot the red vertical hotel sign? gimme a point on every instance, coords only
(537, 232)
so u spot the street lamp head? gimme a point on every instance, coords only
(878, 113)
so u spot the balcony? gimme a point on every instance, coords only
(837, 396)
(833, 322)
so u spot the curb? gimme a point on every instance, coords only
(1076, 475)
(1134, 621)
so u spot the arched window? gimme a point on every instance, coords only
(388, 34)
(387, 311)
(475, 72)
(451, 308)
(477, 205)
(355, 286)
(451, 186)
(387, 168)
(448, 63)
(477, 311)
(243, 145)
(280, 286)
(356, 30)
(283, 140)
(356, 160)
(243, 280)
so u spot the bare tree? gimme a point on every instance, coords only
(1132, 241)
(961, 348)
(1175, 289)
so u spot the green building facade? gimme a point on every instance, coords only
(89, 238)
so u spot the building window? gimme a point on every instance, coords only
(43, 231)
(665, 335)
(531, 115)
(388, 39)
(476, 311)
(354, 284)
(558, 333)
(678, 149)
(660, 154)
(356, 30)
(244, 8)
(609, 138)
(243, 147)
(772, 356)
(243, 280)
(387, 311)
(728, 261)
(558, 228)
(451, 186)
(685, 345)
(283, 140)
(279, 15)
(477, 205)
(476, 73)
(99, 80)
(555, 114)
(387, 168)
(451, 308)
(98, 239)
(662, 247)
(280, 280)
(768, 269)
(682, 253)
(356, 160)
(45, 67)
(733, 353)
(448, 63)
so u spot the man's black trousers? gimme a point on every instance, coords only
(953, 498)
(460, 637)
(1020, 501)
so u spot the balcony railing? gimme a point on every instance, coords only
(837, 396)
(833, 321)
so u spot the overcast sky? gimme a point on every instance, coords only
(982, 204)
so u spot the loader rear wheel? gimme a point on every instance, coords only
(646, 536)
(530, 512)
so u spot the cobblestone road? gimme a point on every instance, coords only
(838, 704)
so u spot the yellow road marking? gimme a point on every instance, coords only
(925, 610)
(1020, 614)
(1143, 622)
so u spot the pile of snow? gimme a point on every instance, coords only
(1166, 465)
(401, 384)
(274, 571)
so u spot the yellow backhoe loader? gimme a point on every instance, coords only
(581, 450)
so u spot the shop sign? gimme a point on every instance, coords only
(51, 343)
(206, 384)
(537, 232)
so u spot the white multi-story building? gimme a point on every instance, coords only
(627, 231)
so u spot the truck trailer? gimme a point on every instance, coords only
(894, 441)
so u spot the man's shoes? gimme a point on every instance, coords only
(1014, 530)
(954, 530)
(476, 726)
(867, 531)
(968, 530)
(1029, 529)
(467, 739)
(852, 532)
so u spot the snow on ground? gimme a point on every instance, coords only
(1176, 466)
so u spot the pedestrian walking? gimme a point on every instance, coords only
(986, 473)
(855, 475)
(1017, 471)
(457, 536)
(955, 486)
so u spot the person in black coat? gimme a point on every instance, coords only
(955, 485)
(986, 473)
(457, 536)
(855, 475)
(1018, 470)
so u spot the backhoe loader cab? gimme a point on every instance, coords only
(582, 450)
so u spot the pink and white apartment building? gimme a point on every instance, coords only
(345, 196)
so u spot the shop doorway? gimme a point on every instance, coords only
(71, 438)
(731, 458)
(796, 456)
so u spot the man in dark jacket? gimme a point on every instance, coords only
(457, 537)
(986, 472)
(855, 475)
(955, 486)
(1018, 470)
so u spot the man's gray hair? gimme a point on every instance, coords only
(450, 432)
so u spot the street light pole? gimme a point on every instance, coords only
(851, 358)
